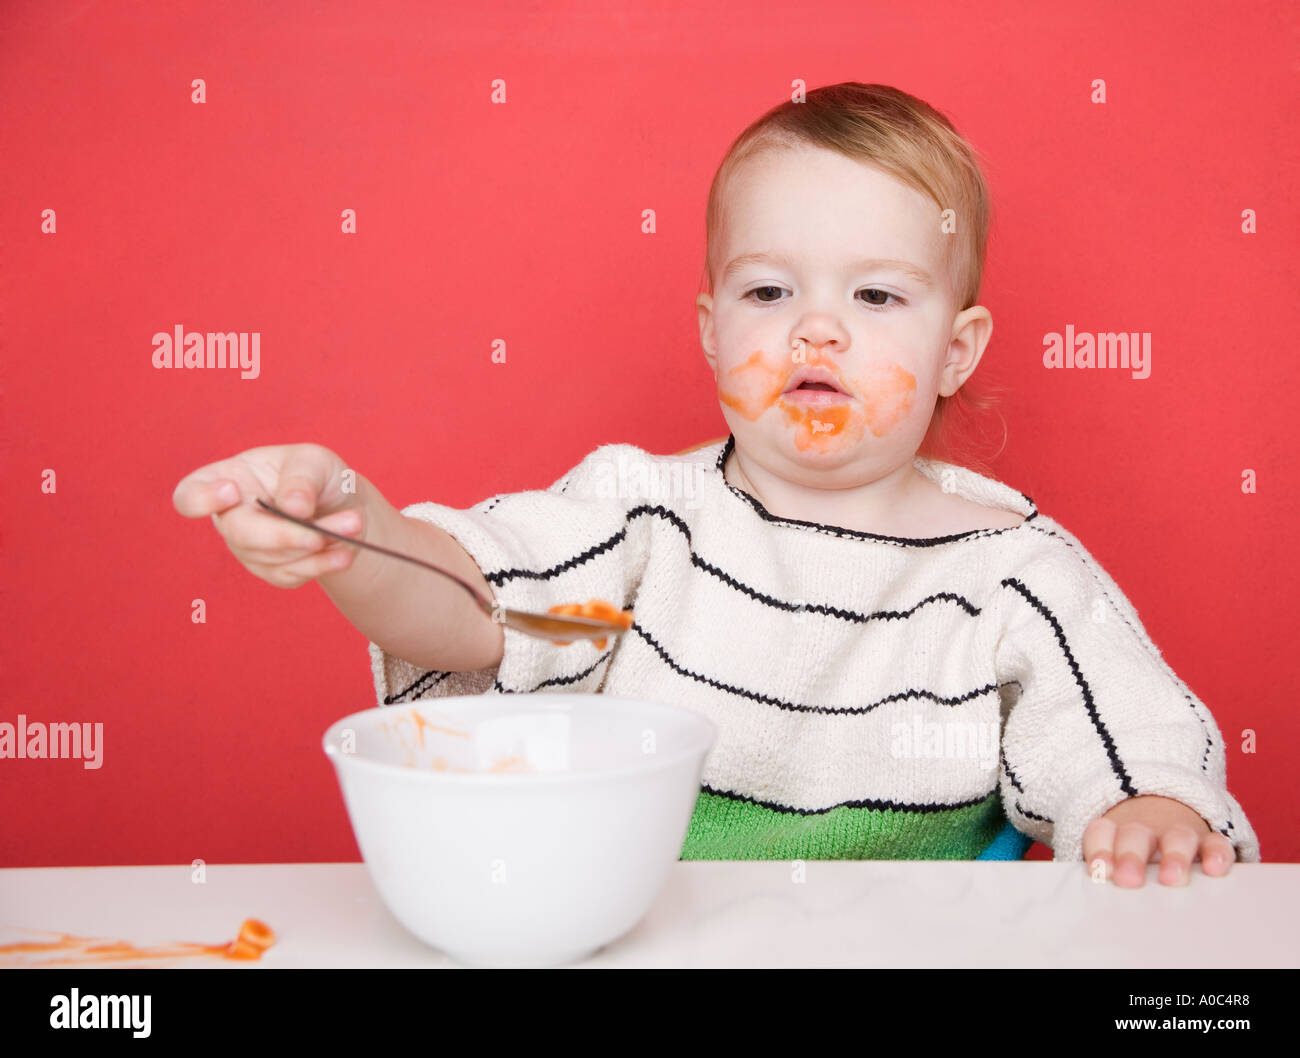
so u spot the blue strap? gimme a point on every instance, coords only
(1009, 844)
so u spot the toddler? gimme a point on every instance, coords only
(900, 654)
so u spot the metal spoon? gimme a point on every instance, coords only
(543, 626)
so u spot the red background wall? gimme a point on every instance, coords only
(522, 221)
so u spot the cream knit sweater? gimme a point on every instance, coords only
(875, 696)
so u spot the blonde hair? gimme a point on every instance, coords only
(904, 137)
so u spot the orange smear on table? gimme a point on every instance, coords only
(595, 608)
(254, 938)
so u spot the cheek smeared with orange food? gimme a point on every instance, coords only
(595, 608)
(884, 398)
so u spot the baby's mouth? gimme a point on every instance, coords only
(815, 386)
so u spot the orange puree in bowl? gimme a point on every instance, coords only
(504, 766)
(596, 608)
(254, 938)
(421, 723)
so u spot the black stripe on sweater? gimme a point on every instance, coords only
(1030, 815)
(739, 692)
(424, 683)
(419, 684)
(1143, 640)
(781, 703)
(831, 611)
(890, 806)
(858, 534)
(1116, 765)
(557, 681)
(1011, 775)
(499, 577)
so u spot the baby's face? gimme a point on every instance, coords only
(818, 260)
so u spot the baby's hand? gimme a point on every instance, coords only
(304, 479)
(1125, 838)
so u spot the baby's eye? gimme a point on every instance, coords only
(882, 293)
(760, 294)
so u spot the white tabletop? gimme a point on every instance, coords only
(845, 913)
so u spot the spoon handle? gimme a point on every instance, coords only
(483, 603)
(543, 626)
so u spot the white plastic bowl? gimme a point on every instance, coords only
(520, 869)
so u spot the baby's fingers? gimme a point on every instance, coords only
(1134, 844)
(1177, 851)
(195, 497)
(1217, 853)
(304, 475)
(1122, 849)
(253, 533)
(1099, 847)
(295, 574)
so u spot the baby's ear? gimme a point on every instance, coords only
(708, 337)
(971, 332)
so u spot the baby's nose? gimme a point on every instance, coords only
(805, 350)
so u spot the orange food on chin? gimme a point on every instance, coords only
(597, 609)
(884, 396)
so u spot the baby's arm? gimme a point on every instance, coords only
(417, 615)
(584, 539)
(1102, 732)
